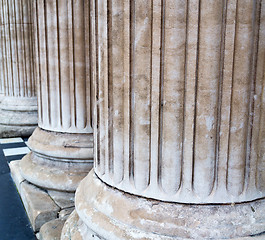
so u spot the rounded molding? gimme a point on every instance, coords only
(99, 208)
(57, 161)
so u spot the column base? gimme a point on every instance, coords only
(18, 116)
(58, 161)
(107, 213)
(15, 131)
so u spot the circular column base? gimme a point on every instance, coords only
(58, 161)
(7, 131)
(18, 116)
(107, 213)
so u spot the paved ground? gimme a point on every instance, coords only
(14, 223)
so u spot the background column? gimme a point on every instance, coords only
(62, 145)
(2, 80)
(179, 87)
(18, 109)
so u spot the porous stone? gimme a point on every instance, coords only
(71, 228)
(38, 204)
(15, 174)
(52, 230)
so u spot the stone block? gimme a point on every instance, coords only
(65, 213)
(52, 230)
(15, 174)
(38, 204)
(62, 199)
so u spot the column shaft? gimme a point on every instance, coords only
(186, 125)
(19, 106)
(2, 80)
(64, 73)
(17, 50)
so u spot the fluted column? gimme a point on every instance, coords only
(19, 105)
(2, 80)
(62, 145)
(178, 122)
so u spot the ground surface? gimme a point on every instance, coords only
(14, 223)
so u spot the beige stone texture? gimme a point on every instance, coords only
(33, 197)
(62, 199)
(62, 146)
(64, 86)
(51, 230)
(38, 204)
(178, 122)
(15, 174)
(179, 114)
(140, 218)
(71, 228)
(18, 108)
(58, 161)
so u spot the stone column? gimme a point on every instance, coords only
(18, 109)
(62, 145)
(178, 122)
(2, 80)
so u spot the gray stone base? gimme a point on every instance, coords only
(43, 207)
(107, 213)
(7, 131)
(18, 116)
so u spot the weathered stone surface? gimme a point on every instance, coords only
(61, 173)
(71, 231)
(38, 204)
(14, 131)
(18, 116)
(62, 199)
(52, 230)
(66, 105)
(16, 175)
(71, 228)
(65, 213)
(178, 118)
(140, 218)
(169, 122)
